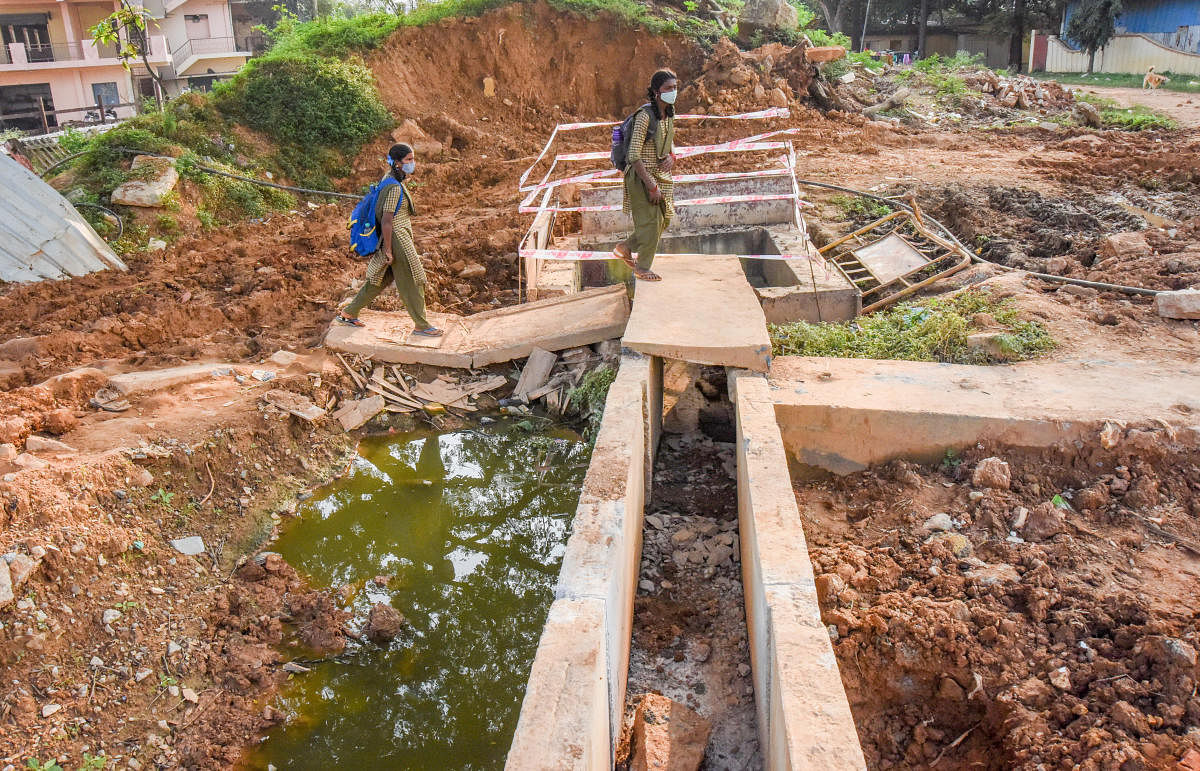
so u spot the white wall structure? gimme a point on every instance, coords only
(1124, 53)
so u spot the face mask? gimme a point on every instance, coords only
(668, 96)
(408, 168)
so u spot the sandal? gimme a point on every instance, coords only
(351, 321)
(431, 332)
(622, 253)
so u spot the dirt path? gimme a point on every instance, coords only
(1184, 108)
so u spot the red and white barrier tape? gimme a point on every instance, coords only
(775, 112)
(577, 254)
(711, 200)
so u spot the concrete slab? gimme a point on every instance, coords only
(490, 337)
(131, 383)
(842, 415)
(703, 311)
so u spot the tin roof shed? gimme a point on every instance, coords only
(41, 234)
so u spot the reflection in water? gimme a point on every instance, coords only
(471, 525)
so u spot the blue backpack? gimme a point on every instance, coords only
(364, 230)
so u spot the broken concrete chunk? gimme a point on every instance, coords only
(50, 709)
(293, 403)
(110, 617)
(6, 587)
(284, 358)
(667, 736)
(536, 372)
(35, 443)
(262, 375)
(20, 568)
(190, 696)
(356, 413)
(473, 270)
(31, 462)
(765, 16)
(191, 546)
(8, 452)
(938, 522)
(1183, 304)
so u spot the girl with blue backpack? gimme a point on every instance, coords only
(381, 227)
(649, 190)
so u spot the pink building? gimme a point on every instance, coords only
(49, 61)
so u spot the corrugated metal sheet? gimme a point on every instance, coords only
(1174, 23)
(1124, 53)
(41, 234)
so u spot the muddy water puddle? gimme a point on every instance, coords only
(466, 531)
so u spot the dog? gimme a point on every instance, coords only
(1153, 79)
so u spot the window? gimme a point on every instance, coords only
(106, 94)
(30, 29)
(196, 26)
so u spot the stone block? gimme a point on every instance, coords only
(147, 192)
(1124, 245)
(1183, 304)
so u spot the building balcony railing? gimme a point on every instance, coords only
(54, 52)
(85, 52)
(208, 46)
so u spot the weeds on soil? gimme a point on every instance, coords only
(859, 208)
(932, 330)
(589, 397)
(1136, 118)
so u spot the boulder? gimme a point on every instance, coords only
(383, 623)
(993, 473)
(413, 135)
(162, 178)
(1089, 115)
(1183, 304)
(1045, 521)
(997, 346)
(766, 16)
(667, 736)
(8, 452)
(1124, 245)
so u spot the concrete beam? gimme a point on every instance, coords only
(703, 311)
(843, 415)
(695, 217)
(599, 570)
(804, 717)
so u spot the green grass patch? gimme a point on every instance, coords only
(931, 330)
(858, 208)
(1184, 83)
(1136, 118)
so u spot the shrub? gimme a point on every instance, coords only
(307, 101)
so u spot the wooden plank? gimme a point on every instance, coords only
(536, 372)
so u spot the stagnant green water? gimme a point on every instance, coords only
(472, 525)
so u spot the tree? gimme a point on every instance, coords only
(1017, 36)
(1092, 25)
(922, 28)
(126, 29)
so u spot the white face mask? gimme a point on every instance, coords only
(668, 96)
(408, 168)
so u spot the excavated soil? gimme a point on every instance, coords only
(96, 524)
(1004, 627)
